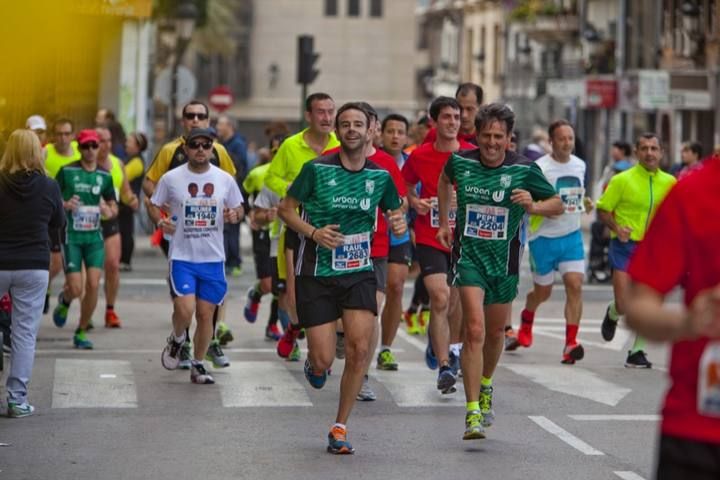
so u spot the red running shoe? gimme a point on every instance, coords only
(286, 344)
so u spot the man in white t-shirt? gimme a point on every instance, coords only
(556, 243)
(199, 198)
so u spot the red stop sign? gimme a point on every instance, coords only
(221, 98)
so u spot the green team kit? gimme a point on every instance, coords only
(331, 194)
(83, 237)
(487, 246)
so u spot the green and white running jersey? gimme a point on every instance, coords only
(333, 195)
(83, 224)
(487, 231)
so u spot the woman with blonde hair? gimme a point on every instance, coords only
(30, 204)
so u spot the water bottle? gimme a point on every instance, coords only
(167, 236)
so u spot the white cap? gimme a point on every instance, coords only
(36, 122)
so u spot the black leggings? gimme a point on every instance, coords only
(126, 219)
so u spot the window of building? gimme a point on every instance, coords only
(331, 8)
(353, 8)
(497, 51)
(376, 8)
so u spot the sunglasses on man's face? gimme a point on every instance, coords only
(203, 145)
(192, 116)
(86, 146)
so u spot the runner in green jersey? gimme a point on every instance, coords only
(340, 194)
(88, 194)
(495, 188)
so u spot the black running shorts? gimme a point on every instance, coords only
(432, 260)
(321, 300)
(110, 227)
(401, 254)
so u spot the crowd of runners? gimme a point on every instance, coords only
(345, 211)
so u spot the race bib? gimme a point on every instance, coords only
(200, 213)
(353, 254)
(86, 218)
(572, 198)
(486, 222)
(435, 214)
(709, 381)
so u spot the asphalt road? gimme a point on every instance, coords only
(115, 413)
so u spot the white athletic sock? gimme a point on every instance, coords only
(384, 347)
(455, 348)
(341, 425)
(179, 339)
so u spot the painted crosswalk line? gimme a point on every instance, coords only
(88, 383)
(573, 381)
(413, 385)
(260, 384)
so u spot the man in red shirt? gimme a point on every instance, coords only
(424, 166)
(470, 97)
(681, 249)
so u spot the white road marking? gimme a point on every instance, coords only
(413, 385)
(629, 476)
(108, 375)
(617, 343)
(414, 341)
(260, 384)
(144, 351)
(79, 383)
(572, 381)
(616, 418)
(565, 436)
(583, 322)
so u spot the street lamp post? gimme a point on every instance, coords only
(185, 16)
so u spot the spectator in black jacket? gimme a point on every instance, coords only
(30, 202)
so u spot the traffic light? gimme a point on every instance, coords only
(306, 73)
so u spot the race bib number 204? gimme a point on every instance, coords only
(486, 222)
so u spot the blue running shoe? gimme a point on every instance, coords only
(446, 378)
(454, 363)
(81, 341)
(60, 313)
(317, 381)
(251, 307)
(337, 442)
(430, 358)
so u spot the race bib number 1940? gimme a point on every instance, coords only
(709, 381)
(86, 218)
(200, 213)
(353, 254)
(435, 214)
(572, 198)
(486, 222)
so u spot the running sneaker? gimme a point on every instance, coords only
(251, 307)
(81, 341)
(60, 313)
(111, 319)
(486, 400)
(608, 327)
(185, 355)
(19, 410)
(223, 333)
(430, 358)
(287, 343)
(366, 393)
(454, 363)
(295, 355)
(199, 375)
(46, 306)
(170, 358)
(386, 361)
(424, 321)
(511, 341)
(411, 323)
(446, 378)
(315, 380)
(572, 353)
(216, 355)
(236, 271)
(337, 442)
(525, 337)
(301, 335)
(273, 332)
(339, 345)
(637, 360)
(474, 429)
